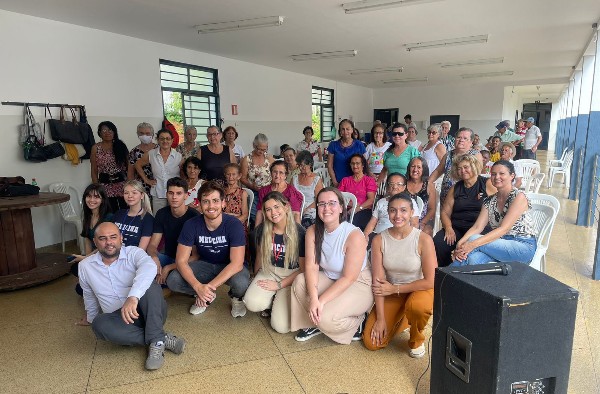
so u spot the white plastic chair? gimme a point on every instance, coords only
(70, 212)
(349, 197)
(318, 164)
(437, 224)
(381, 189)
(528, 168)
(544, 210)
(558, 162)
(250, 194)
(303, 204)
(534, 183)
(564, 169)
(420, 203)
(324, 174)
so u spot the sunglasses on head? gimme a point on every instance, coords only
(397, 133)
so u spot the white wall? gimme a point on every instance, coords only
(479, 105)
(117, 78)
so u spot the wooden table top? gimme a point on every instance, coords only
(23, 202)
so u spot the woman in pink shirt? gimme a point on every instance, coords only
(363, 187)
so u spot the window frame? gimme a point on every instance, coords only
(322, 106)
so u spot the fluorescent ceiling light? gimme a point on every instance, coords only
(240, 25)
(405, 80)
(485, 75)
(446, 43)
(373, 5)
(478, 62)
(376, 71)
(324, 55)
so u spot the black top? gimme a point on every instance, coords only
(170, 227)
(278, 255)
(212, 164)
(467, 203)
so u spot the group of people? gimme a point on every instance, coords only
(314, 272)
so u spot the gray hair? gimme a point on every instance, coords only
(466, 129)
(213, 127)
(260, 139)
(190, 127)
(446, 122)
(145, 125)
(435, 126)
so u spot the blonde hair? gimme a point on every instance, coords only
(137, 185)
(473, 161)
(290, 237)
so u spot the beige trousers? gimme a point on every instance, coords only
(341, 316)
(258, 299)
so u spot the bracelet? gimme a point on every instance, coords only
(279, 285)
(397, 289)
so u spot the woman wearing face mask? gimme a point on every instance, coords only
(145, 133)
(189, 147)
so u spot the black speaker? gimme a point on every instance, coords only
(501, 333)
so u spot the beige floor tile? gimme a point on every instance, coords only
(53, 301)
(582, 379)
(52, 357)
(354, 369)
(214, 339)
(269, 375)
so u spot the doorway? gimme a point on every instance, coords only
(541, 112)
(387, 116)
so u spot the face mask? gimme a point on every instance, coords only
(145, 139)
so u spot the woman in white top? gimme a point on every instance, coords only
(230, 135)
(403, 262)
(165, 163)
(434, 150)
(376, 149)
(334, 293)
(309, 144)
(309, 184)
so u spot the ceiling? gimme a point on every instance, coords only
(540, 40)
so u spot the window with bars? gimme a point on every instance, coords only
(190, 96)
(322, 114)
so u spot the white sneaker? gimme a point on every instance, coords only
(238, 308)
(196, 310)
(417, 352)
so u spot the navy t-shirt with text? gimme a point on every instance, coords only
(213, 246)
(133, 228)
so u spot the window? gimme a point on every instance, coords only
(190, 96)
(322, 114)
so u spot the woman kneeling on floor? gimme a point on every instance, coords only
(335, 299)
(403, 263)
(279, 259)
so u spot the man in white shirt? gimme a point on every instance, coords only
(533, 138)
(123, 303)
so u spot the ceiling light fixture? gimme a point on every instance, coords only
(446, 43)
(240, 25)
(477, 62)
(405, 80)
(376, 71)
(485, 75)
(324, 55)
(373, 5)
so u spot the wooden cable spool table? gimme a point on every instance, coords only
(20, 265)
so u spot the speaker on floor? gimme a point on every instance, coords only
(509, 332)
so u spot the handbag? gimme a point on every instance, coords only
(64, 131)
(91, 140)
(30, 127)
(16, 186)
(54, 150)
(33, 151)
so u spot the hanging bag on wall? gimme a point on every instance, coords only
(30, 127)
(65, 131)
(91, 140)
(33, 151)
(54, 150)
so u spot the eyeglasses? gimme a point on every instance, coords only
(397, 184)
(212, 134)
(432, 132)
(398, 134)
(330, 204)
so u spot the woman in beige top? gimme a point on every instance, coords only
(403, 265)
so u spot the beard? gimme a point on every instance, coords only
(107, 255)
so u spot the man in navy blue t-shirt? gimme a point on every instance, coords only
(211, 253)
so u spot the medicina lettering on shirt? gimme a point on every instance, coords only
(212, 240)
(127, 227)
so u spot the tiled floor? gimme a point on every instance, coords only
(43, 351)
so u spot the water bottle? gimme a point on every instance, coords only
(33, 182)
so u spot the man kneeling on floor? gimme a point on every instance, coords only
(218, 255)
(123, 302)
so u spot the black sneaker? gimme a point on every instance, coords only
(358, 334)
(306, 333)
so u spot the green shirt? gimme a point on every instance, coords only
(508, 136)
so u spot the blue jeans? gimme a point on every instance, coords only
(205, 272)
(504, 250)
